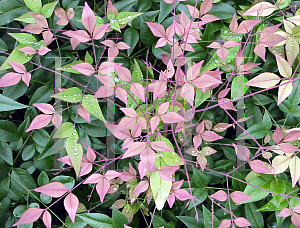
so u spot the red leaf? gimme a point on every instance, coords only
(242, 222)
(88, 18)
(47, 219)
(142, 186)
(210, 136)
(205, 6)
(45, 108)
(219, 195)
(259, 167)
(242, 152)
(264, 80)
(138, 90)
(102, 188)
(148, 158)
(285, 212)
(28, 50)
(80, 35)
(71, 203)
(246, 26)
(182, 194)
(171, 117)
(157, 29)
(18, 67)
(135, 149)
(54, 189)
(39, 122)
(100, 31)
(29, 216)
(10, 79)
(84, 68)
(239, 197)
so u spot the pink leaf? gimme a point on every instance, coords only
(239, 197)
(161, 42)
(84, 113)
(225, 223)
(142, 169)
(100, 31)
(264, 80)
(103, 91)
(171, 117)
(277, 135)
(171, 199)
(206, 151)
(222, 53)
(227, 104)
(93, 179)
(260, 9)
(28, 50)
(285, 212)
(126, 176)
(26, 78)
(45, 108)
(260, 50)
(65, 159)
(40, 20)
(102, 188)
(268, 32)
(135, 149)
(10, 79)
(88, 18)
(295, 219)
(259, 167)
(158, 88)
(220, 127)
(47, 220)
(242, 152)
(123, 73)
(122, 45)
(126, 123)
(188, 92)
(182, 194)
(242, 222)
(197, 140)
(202, 161)
(84, 68)
(80, 35)
(121, 93)
(219, 195)
(62, 22)
(86, 169)
(296, 208)
(138, 90)
(214, 45)
(163, 108)
(233, 24)
(288, 147)
(29, 216)
(157, 29)
(142, 186)
(112, 53)
(200, 128)
(291, 136)
(43, 50)
(90, 154)
(71, 203)
(70, 13)
(54, 189)
(129, 112)
(210, 136)
(39, 122)
(205, 6)
(294, 166)
(284, 91)
(18, 67)
(154, 122)
(33, 28)
(111, 174)
(246, 26)
(205, 81)
(148, 158)
(60, 13)
(193, 11)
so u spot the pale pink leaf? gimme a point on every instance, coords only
(205, 81)
(45, 108)
(206, 151)
(259, 167)
(121, 93)
(62, 22)
(171, 117)
(138, 90)
(85, 169)
(142, 186)
(65, 159)
(39, 122)
(277, 135)
(295, 219)
(205, 6)
(102, 188)
(242, 152)
(163, 108)
(210, 136)
(122, 45)
(296, 208)
(26, 78)
(230, 43)
(214, 45)
(129, 112)
(222, 53)
(54, 189)
(47, 220)
(160, 146)
(285, 212)
(90, 154)
(154, 122)
(291, 136)
(264, 80)
(71, 203)
(112, 53)
(103, 91)
(123, 73)
(127, 143)
(126, 123)
(161, 42)
(227, 104)
(111, 174)
(100, 31)
(108, 43)
(182, 194)
(29, 216)
(39, 19)
(135, 149)
(225, 223)
(84, 68)
(70, 13)
(43, 50)
(88, 18)
(246, 26)
(193, 11)
(283, 66)
(10, 79)
(220, 127)
(28, 50)
(171, 200)
(74, 42)
(157, 29)
(241, 222)
(188, 92)
(148, 158)
(268, 32)
(239, 197)
(33, 28)
(142, 169)
(197, 140)
(60, 13)
(84, 113)
(294, 170)
(260, 9)
(260, 50)
(233, 24)
(288, 147)
(158, 88)
(223, 93)
(80, 35)
(219, 195)
(93, 179)
(284, 91)
(18, 67)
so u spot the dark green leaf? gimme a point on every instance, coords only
(253, 216)
(10, 9)
(191, 222)
(4, 206)
(6, 153)
(200, 179)
(165, 9)
(222, 10)
(125, 5)
(15, 91)
(131, 37)
(3, 46)
(70, 3)
(7, 104)
(266, 121)
(257, 131)
(22, 181)
(43, 179)
(68, 181)
(277, 185)
(4, 186)
(207, 216)
(28, 152)
(42, 95)
(118, 219)
(97, 220)
(8, 131)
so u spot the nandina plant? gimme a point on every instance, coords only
(149, 113)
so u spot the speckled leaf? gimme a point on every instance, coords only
(68, 68)
(124, 17)
(72, 95)
(92, 106)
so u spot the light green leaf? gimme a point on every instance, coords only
(96, 220)
(6, 153)
(201, 97)
(34, 5)
(124, 17)
(88, 58)
(131, 37)
(72, 95)
(68, 68)
(238, 87)
(115, 25)
(277, 185)
(74, 151)
(272, 206)
(48, 9)
(257, 131)
(92, 106)
(170, 157)
(99, 21)
(7, 104)
(256, 193)
(64, 131)
(160, 189)
(16, 56)
(137, 75)
(207, 215)
(10, 9)
(27, 18)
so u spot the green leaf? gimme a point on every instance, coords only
(207, 215)
(68, 181)
(160, 189)
(125, 5)
(22, 181)
(43, 179)
(68, 68)
(88, 58)
(69, 3)
(272, 206)
(27, 18)
(79, 223)
(200, 179)
(277, 185)
(222, 10)
(72, 95)
(28, 152)
(191, 222)
(261, 99)
(96, 220)
(131, 37)
(47, 10)
(253, 216)
(19, 210)
(42, 95)
(118, 219)
(6, 153)
(258, 131)
(74, 151)
(15, 91)
(200, 194)
(16, 56)
(92, 106)
(64, 131)
(256, 193)
(159, 222)
(145, 32)
(165, 10)
(3, 46)
(266, 121)
(4, 186)
(8, 131)
(124, 17)
(7, 104)
(10, 9)
(201, 97)
(34, 5)
(238, 87)
(144, 5)
(294, 97)
(4, 207)
(115, 25)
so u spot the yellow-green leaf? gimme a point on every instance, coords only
(92, 106)
(48, 9)
(74, 150)
(34, 5)
(27, 18)
(72, 95)
(65, 130)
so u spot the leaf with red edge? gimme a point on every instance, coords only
(71, 203)
(210, 136)
(39, 122)
(54, 189)
(294, 166)
(142, 186)
(171, 117)
(264, 80)
(88, 18)
(241, 222)
(45, 108)
(259, 167)
(135, 149)
(99, 31)
(205, 6)
(148, 158)
(242, 152)
(219, 195)
(29, 216)
(84, 68)
(138, 90)
(239, 197)
(285, 212)
(157, 29)
(47, 220)
(284, 91)
(10, 79)
(260, 9)
(18, 67)
(102, 188)
(246, 26)
(283, 66)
